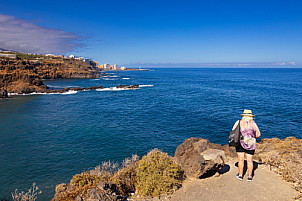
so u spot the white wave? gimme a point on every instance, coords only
(71, 86)
(114, 89)
(40, 93)
(54, 86)
(96, 79)
(110, 76)
(126, 78)
(69, 92)
(146, 85)
(108, 79)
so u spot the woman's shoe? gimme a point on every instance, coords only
(240, 177)
(249, 178)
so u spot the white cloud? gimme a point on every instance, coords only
(24, 36)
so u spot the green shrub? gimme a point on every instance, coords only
(157, 174)
(125, 178)
(83, 179)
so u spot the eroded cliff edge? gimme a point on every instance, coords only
(196, 157)
(26, 75)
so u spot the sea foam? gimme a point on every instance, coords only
(41, 93)
(115, 89)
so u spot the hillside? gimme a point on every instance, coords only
(25, 73)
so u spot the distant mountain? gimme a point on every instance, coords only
(1, 49)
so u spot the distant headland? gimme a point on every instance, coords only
(22, 73)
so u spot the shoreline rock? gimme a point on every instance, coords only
(61, 91)
(24, 76)
(3, 93)
(199, 159)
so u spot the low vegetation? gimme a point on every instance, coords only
(154, 175)
(157, 174)
(125, 178)
(31, 195)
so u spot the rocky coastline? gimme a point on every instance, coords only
(22, 76)
(197, 158)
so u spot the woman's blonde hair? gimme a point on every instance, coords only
(247, 118)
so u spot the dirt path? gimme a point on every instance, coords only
(266, 185)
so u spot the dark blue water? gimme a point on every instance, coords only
(48, 138)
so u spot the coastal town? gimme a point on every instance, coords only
(23, 73)
(37, 58)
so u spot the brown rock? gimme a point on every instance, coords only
(128, 86)
(91, 88)
(76, 89)
(197, 159)
(14, 73)
(3, 93)
(284, 157)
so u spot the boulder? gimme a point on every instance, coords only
(215, 160)
(198, 159)
(3, 93)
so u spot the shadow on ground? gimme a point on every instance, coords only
(224, 169)
(255, 166)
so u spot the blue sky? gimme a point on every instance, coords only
(152, 31)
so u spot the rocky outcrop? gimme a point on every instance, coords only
(128, 86)
(3, 93)
(198, 159)
(23, 76)
(283, 157)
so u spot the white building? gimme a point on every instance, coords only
(107, 66)
(72, 56)
(11, 56)
(80, 58)
(123, 68)
(115, 67)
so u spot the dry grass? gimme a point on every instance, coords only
(31, 195)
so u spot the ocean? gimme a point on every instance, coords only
(46, 139)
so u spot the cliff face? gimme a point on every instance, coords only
(25, 76)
